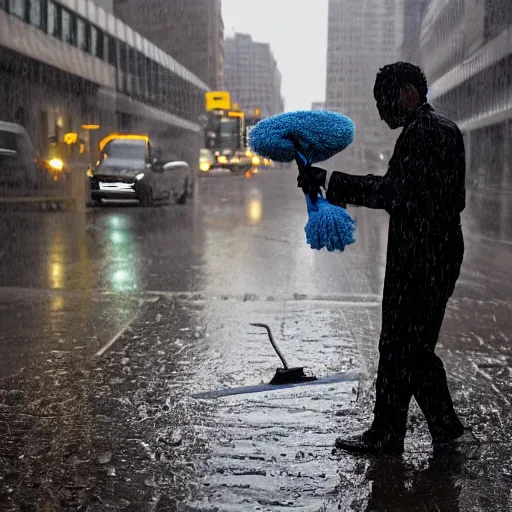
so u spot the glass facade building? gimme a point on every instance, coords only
(465, 48)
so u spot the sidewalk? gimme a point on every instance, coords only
(275, 449)
(96, 384)
(272, 451)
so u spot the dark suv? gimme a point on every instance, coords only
(131, 168)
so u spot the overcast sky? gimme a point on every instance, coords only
(297, 33)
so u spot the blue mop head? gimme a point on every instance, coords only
(319, 134)
(329, 226)
(310, 137)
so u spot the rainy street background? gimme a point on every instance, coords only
(114, 314)
(182, 285)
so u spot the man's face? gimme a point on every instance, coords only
(391, 108)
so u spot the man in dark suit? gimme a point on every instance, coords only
(424, 193)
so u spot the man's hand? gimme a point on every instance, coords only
(312, 180)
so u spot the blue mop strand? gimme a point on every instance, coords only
(328, 226)
(313, 227)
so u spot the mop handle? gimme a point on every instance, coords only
(298, 156)
(303, 168)
(276, 348)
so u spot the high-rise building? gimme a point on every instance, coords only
(192, 31)
(466, 53)
(318, 105)
(413, 12)
(252, 75)
(107, 5)
(363, 36)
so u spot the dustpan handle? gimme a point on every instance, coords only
(276, 348)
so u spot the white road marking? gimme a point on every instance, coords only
(119, 333)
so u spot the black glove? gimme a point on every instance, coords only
(311, 180)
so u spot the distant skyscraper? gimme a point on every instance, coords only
(318, 105)
(108, 5)
(413, 13)
(363, 36)
(192, 31)
(252, 75)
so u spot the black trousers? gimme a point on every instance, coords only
(413, 312)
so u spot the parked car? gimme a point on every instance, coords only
(131, 168)
(20, 171)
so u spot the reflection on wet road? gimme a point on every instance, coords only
(113, 319)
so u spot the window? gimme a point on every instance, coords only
(149, 77)
(8, 141)
(81, 35)
(106, 49)
(35, 13)
(122, 75)
(97, 43)
(122, 57)
(53, 20)
(132, 80)
(94, 42)
(3, 5)
(131, 61)
(18, 8)
(110, 43)
(142, 74)
(126, 150)
(155, 81)
(100, 45)
(68, 27)
(164, 85)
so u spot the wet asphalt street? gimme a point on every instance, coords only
(112, 319)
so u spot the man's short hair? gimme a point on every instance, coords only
(393, 77)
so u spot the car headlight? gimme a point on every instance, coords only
(255, 160)
(222, 160)
(204, 166)
(56, 164)
(140, 176)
